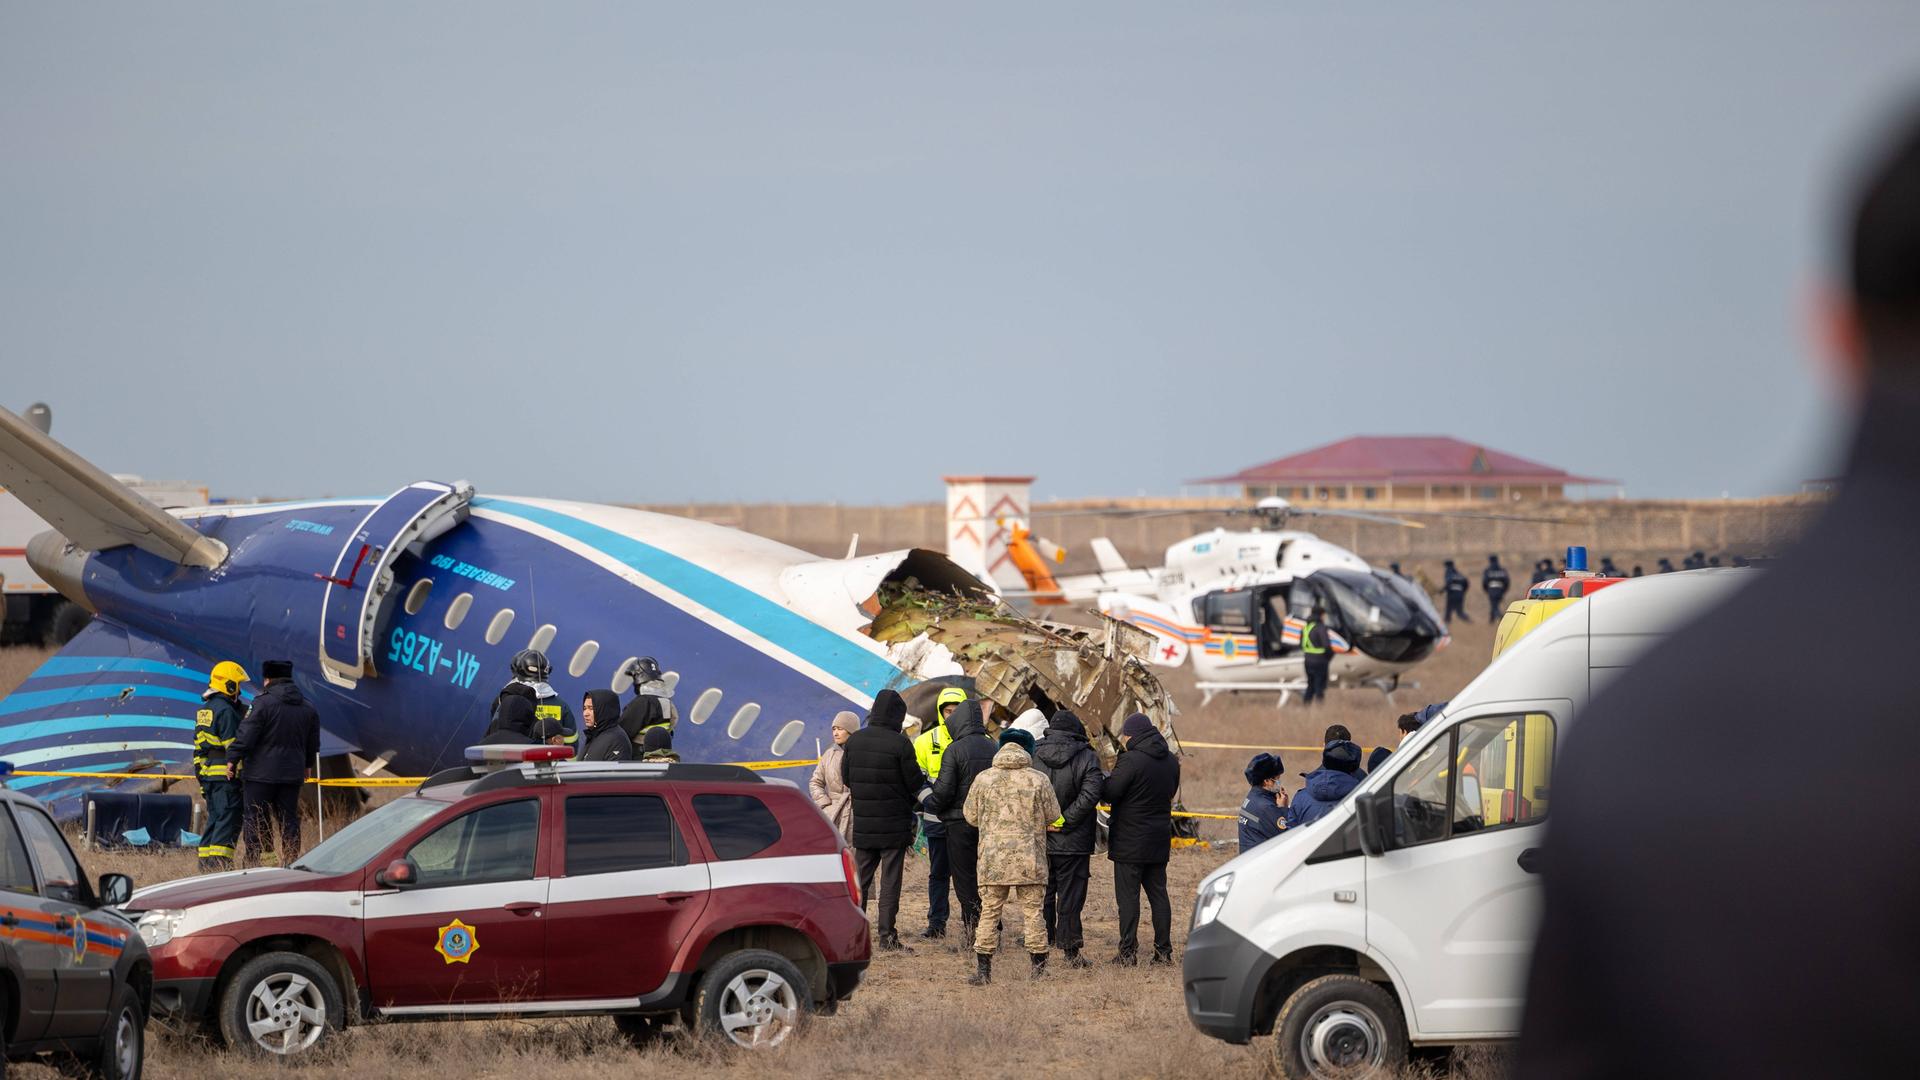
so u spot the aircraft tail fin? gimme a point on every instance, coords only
(90, 508)
(1108, 556)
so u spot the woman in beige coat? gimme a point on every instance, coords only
(828, 786)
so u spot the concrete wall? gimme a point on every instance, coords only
(1637, 531)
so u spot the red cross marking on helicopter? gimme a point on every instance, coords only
(1167, 652)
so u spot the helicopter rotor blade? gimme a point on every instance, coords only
(1354, 515)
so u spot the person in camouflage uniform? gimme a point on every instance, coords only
(1011, 804)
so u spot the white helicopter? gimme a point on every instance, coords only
(1233, 602)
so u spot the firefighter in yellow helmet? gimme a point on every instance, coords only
(927, 748)
(214, 727)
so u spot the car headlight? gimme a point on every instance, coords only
(1213, 897)
(156, 927)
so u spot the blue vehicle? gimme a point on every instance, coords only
(401, 614)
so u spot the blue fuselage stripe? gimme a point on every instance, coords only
(805, 639)
(43, 699)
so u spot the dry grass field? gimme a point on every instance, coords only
(914, 1014)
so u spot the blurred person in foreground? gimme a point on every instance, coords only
(1073, 768)
(883, 783)
(1011, 804)
(1140, 835)
(1725, 937)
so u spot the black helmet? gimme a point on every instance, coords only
(531, 664)
(643, 669)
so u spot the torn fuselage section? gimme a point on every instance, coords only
(1099, 672)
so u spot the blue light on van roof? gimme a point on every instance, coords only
(1576, 558)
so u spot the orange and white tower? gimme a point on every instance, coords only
(977, 541)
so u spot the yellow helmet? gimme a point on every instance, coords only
(226, 678)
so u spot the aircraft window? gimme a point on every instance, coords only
(457, 611)
(622, 682)
(497, 629)
(543, 637)
(417, 596)
(742, 721)
(703, 708)
(583, 658)
(789, 734)
(670, 679)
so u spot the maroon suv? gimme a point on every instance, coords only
(647, 892)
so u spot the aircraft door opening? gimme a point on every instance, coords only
(362, 578)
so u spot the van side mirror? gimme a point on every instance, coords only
(399, 874)
(115, 890)
(1375, 813)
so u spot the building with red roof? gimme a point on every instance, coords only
(1405, 468)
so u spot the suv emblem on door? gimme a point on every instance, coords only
(456, 943)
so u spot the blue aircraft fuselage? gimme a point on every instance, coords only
(588, 581)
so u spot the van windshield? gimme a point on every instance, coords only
(351, 847)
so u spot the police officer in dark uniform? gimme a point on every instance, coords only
(1316, 650)
(215, 726)
(1666, 565)
(275, 748)
(1704, 942)
(1607, 569)
(1494, 580)
(1456, 585)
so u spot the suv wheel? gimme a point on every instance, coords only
(280, 1003)
(122, 1050)
(753, 998)
(1340, 1025)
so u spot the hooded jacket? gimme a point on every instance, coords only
(931, 745)
(882, 777)
(1073, 769)
(656, 744)
(965, 758)
(1325, 788)
(1141, 790)
(606, 740)
(279, 736)
(547, 705)
(512, 722)
(1011, 804)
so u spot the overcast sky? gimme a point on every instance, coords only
(833, 250)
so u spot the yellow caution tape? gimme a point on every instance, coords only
(1184, 744)
(1189, 813)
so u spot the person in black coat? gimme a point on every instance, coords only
(513, 722)
(884, 780)
(276, 747)
(1067, 758)
(1494, 581)
(1704, 941)
(606, 740)
(1140, 835)
(965, 758)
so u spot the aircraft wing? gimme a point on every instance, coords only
(90, 508)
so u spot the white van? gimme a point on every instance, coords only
(1406, 916)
